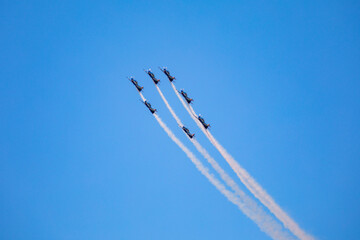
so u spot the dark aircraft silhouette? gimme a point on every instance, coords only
(148, 105)
(188, 132)
(136, 84)
(184, 94)
(167, 73)
(156, 81)
(202, 121)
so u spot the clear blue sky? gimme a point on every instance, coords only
(82, 158)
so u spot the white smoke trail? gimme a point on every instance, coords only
(248, 181)
(227, 179)
(142, 97)
(168, 106)
(262, 195)
(247, 206)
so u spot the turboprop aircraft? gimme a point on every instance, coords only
(184, 94)
(148, 105)
(167, 73)
(188, 132)
(156, 81)
(202, 121)
(136, 84)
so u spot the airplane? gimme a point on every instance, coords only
(156, 81)
(148, 105)
(167, 73)
(188, 132)
(202, 121)
(136, 84)
(184, 94)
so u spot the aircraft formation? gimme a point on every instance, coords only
(270, 224)
(182, 92)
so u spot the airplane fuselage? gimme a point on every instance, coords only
(184, 94)
(188, 132)
(139, 88)
(148, 105)
(167, 73)
(202, 121)
(155, 80)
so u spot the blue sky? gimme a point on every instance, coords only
(82, 158)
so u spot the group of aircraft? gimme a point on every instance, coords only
(182, 92)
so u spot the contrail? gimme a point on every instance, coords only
(264, 221)
(250, 205)
(247, 180)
